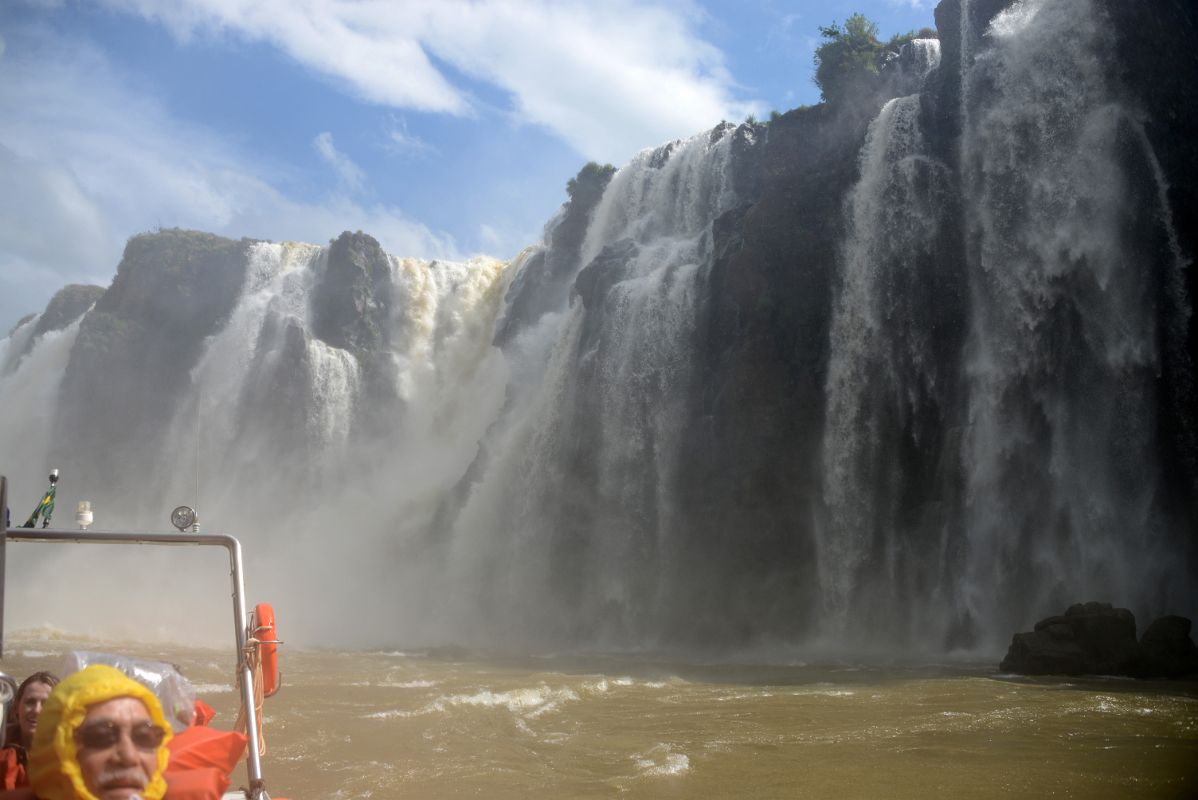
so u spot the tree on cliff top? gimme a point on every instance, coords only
(592, 176)
(849, 60)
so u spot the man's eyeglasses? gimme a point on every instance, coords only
(105, 734)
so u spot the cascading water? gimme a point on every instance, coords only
(887, 385)
(259, 367)
(1060, 458)
(29, 387)
(577, 499)
(1064, 222)
(267, 440)
(921, 56)
(742, 394)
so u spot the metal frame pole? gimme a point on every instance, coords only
(246, 677)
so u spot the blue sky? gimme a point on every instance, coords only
(445, 128)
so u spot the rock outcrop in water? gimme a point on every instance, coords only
(888, 373)
(1097, 639)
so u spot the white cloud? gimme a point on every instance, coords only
(400, 141)
(86, 163)
(347, 171)
(340, 39)
(610, 78)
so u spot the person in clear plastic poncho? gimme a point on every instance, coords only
(101, 736)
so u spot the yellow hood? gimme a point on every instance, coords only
(53, 766)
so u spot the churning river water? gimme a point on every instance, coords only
(450, 723)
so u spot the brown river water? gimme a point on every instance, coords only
(449, 723)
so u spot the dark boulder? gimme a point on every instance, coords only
(1045, 652)
(352, 303)
(1166, 649)
(1096, 639)
(1090, 639)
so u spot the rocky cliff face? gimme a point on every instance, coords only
(131, 361)
(545, 278)
(877, 411)
(66, 306)
(899, 372)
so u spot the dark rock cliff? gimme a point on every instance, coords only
(67, 305)
(750, 476)
(1159, 73)
(135, 349)
(352, 303)
(747, 491)
(544, 283)
(705, 497)
(353, 310)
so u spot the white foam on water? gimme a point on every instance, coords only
(746, 696)
(660, 761)
(528, 703)
(826, 692)
(409, 684)
(602, 686)
(212, 688)
(390, 683)
(397, 714)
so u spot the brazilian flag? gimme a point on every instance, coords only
(45, 508)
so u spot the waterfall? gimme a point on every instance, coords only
(29, 388)
(918, 57)
(260, 366)
(886, 381)
(1064, 229)
(1049, 403)
(267, 439)
(577, 499)
(672, 192)
(14, 347)
(908, 384)
(921, 56)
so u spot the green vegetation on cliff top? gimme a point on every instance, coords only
(849, 63)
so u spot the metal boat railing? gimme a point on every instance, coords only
(257, 788)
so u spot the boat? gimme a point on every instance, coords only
(254, 638)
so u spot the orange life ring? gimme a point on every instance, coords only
(267, 635)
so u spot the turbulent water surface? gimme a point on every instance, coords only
(446, 723)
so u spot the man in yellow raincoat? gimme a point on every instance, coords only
(101, 736)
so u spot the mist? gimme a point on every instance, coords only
(902, 374)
